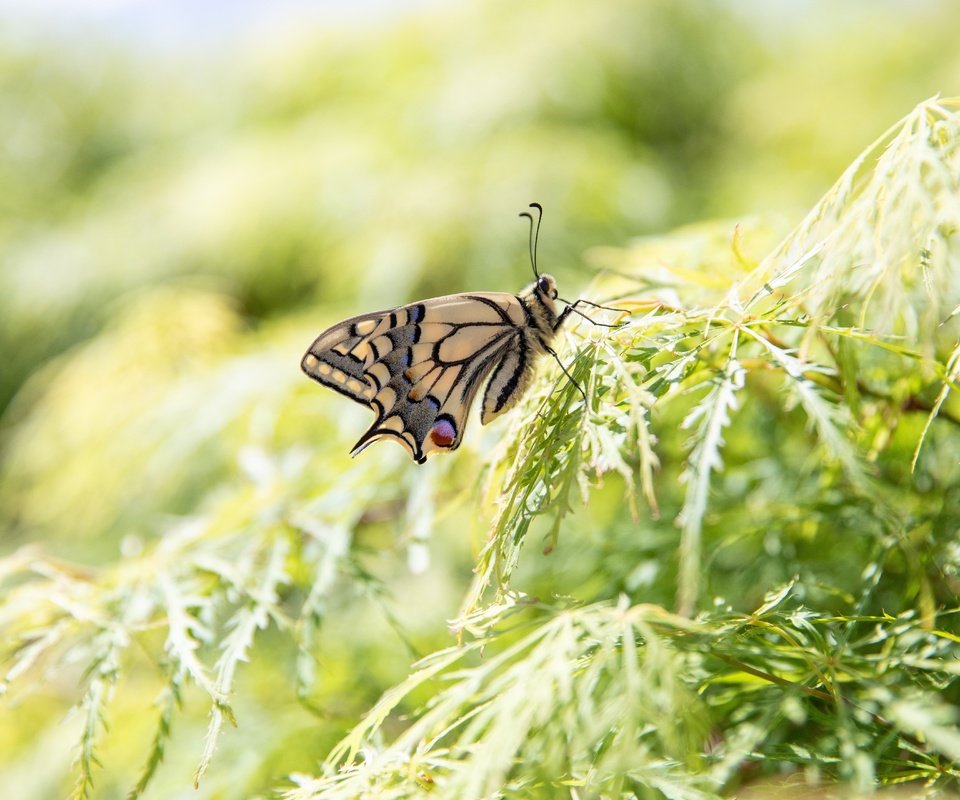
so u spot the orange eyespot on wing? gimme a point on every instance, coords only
(443, 433)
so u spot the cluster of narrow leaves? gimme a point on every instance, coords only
(784, 429)
(270, 547)
(614, 700)
(857, 306)
(840, 350)
(599, 674)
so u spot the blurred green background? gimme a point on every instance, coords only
(338, 165)
(190, 192)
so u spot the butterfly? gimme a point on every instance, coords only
(420, 366)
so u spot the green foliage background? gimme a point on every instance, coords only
(750, 580)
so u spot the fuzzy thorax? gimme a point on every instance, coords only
(539, 301)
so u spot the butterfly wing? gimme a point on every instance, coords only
(419, 367)
(333, 359)
(508, 382)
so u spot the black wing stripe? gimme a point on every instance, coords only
(374, 432)
(495, 343)
(511, 385)
(482, 369)
(495, 306)
(339, 388)
(527, 313)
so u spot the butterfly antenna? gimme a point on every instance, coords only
(534, 235)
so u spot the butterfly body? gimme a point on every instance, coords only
(419, 367)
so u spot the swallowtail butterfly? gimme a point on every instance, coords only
(419, 367)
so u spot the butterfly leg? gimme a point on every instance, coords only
(572, 307)
(594, 305)
(570, 377)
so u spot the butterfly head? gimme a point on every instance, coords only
(546, 287)
(540, 297)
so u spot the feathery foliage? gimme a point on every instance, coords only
(836, 672)
(751, 520)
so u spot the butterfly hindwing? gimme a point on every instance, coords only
(508, 382)
(419, 367)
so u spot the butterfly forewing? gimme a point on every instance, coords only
(419, 367)
(336, 358)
